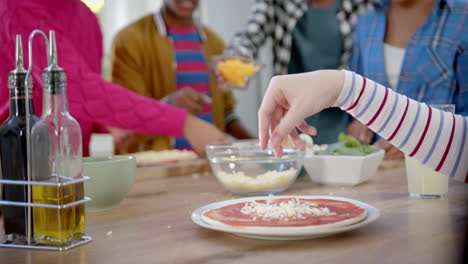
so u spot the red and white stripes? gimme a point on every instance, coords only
(436, 138)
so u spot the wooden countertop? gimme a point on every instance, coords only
(153, 225)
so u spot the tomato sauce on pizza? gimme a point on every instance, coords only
(286, 212)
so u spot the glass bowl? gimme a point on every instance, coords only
(243, 168)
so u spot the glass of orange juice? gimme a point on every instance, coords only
(424, 182)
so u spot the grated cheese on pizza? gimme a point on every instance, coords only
(316, 213)
(285, 210)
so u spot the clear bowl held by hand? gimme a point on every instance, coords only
(243, 168)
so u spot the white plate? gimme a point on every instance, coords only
(288, 233)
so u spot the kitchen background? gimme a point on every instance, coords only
(225, 17)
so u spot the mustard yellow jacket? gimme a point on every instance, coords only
(142, 60)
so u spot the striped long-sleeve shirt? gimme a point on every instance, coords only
(191, 70)
(434, 137)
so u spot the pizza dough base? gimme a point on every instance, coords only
(342, 223)
(164, 156)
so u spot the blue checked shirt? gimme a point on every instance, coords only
(435, 66)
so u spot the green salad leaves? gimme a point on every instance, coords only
(347, 145)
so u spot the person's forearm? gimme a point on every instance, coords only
(112, 105)
(235, 129)
(93, 99)
(436, 138)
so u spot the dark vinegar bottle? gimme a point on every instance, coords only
(13, 155)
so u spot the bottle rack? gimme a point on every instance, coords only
(29, 241)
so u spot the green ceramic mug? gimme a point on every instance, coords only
(111, 179)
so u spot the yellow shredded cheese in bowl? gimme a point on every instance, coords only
(244, 168)
(235, 71)
(266, 181)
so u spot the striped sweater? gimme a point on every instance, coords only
(191, 70)
(436, 138)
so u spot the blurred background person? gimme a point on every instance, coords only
(165, 55)
(418, 48)
(92, 100)
(307, 35)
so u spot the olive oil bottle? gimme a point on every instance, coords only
(58, 226)
(61, 223)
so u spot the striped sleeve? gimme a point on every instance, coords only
(436, 138)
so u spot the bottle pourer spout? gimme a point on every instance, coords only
(19, 53)
(52, 48)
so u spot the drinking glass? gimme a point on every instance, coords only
(424, 182)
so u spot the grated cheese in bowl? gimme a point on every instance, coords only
(266, 181)
(244, 168)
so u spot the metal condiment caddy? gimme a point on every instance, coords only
(53, 200)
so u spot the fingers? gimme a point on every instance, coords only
(367, 135)
(391, 152)
(193, 107)
(124, 143)
(297, 141)
(214, 68)
(289, 122)
(216, 59)
(275, 119)
(360, 132)
(394, 154)
(263, 128)
(205, 99)
(279, 115)
(381, 143)
(193, 100)
(219, 78)
(265, 114)
(278, 149)
(196, 97)
(189, 93)
(308, 129)
(121, 138)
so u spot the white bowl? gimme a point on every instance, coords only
(348, 170)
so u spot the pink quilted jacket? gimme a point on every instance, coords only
(92, 100)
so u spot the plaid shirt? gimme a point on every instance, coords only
(276, 19)
(435, 66)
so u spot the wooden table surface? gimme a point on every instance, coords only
(153, 225)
